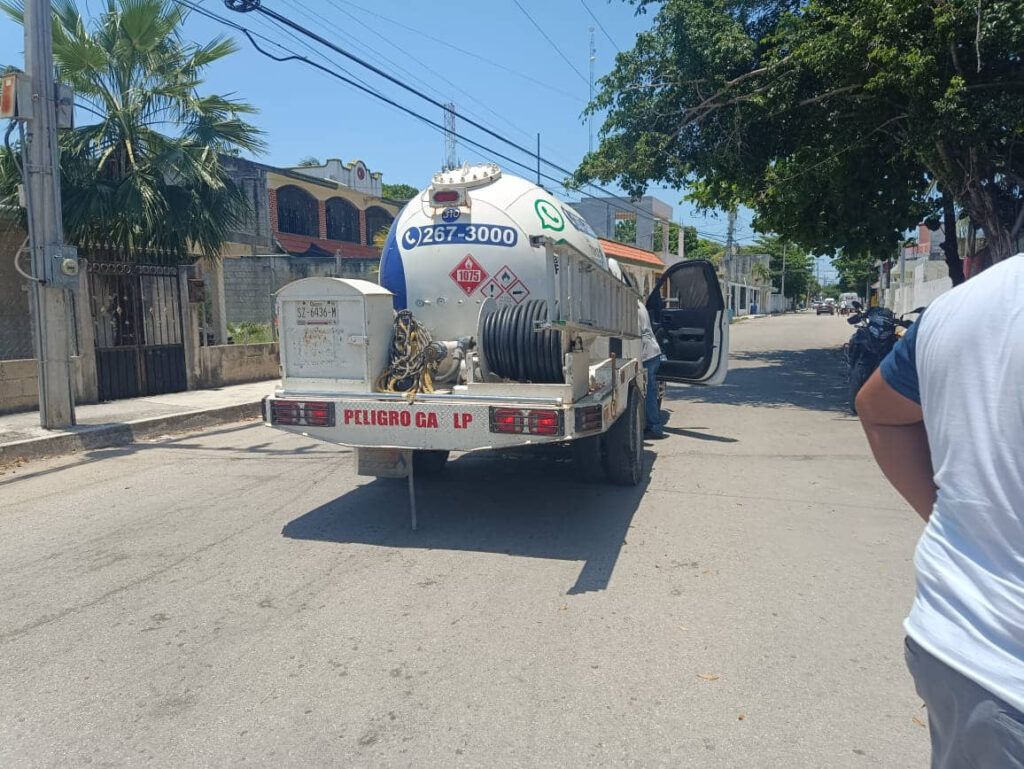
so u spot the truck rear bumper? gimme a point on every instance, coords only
(455, 423)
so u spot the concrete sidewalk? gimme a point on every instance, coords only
(120, 422)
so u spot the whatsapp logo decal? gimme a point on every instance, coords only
(549, 214)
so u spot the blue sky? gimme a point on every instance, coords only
(488, 58)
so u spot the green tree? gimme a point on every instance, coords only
(309, 161)
(855, 271)
(799, 265)
(399, 192)
(696, 247)
(147, 173)
(836, 121)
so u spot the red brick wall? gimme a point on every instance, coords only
(273, 210)
(322, 217)
(362, 228)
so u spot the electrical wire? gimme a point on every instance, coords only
(249, 5)
(17, 263)
(452, 46)
(426, 67)
(553, 44)
(601, 26)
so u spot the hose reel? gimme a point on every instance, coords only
(515, 351)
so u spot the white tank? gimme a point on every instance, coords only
(466, 238)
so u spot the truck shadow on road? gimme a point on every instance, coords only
(526, 506)
(807, 379)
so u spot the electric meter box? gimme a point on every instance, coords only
(334, 332)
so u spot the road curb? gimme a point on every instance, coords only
(122, 433)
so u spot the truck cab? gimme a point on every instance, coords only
(687, 311)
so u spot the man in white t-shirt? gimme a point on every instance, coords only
(944, 415)
(652, 357)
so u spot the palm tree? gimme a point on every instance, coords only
(146, 174)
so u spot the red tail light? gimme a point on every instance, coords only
(545, 422)
(302, 413)
(532, 421)
(446, 196)
(507, 421)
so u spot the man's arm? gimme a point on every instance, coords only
(895, 430)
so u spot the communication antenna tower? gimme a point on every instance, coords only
(593, 58)
(451, 159)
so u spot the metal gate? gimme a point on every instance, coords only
(136, 311)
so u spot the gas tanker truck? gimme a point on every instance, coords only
(498, 322)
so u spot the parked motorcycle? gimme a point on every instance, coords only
(878, 330)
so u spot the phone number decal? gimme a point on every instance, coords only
(483, 234)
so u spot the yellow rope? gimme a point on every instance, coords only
(407, 370)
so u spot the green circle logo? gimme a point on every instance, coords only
(549, 214)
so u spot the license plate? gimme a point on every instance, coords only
(315, 312)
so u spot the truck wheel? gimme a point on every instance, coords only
(428, 461)
(624, 443)
(587, 459)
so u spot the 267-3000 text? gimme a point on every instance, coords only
(484, 234)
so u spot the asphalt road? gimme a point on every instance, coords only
(241, 598)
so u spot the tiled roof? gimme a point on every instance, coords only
(299, 244)
(631, 254)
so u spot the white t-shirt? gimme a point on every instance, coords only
(649, 343)
(969, 363)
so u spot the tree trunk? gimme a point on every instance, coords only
(950, 247)
(1000, 236)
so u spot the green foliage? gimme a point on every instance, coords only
(400, 192)
(834, 120)
(799, 264)
(855, 271)
(147, 173)
(696, 247)
(250, 333)
(309, 161)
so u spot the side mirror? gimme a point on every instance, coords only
(858, 306)
(916, 311)
(853, 320)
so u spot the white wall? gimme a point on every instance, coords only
(925, 282)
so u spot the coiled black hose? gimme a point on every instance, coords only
(515, 351)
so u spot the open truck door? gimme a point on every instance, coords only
(688, 314)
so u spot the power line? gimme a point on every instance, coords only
(255, 5)
(426, 67)
(293, 56)
(601, 26)
(452, 46)
(554, 45)
(248, 5)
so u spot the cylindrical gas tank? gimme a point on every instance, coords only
(466, 238)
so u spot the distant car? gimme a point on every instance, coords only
(826, 308)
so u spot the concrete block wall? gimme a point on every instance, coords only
(250, 282)
(238, 363)
(19, 384)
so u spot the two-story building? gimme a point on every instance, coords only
(303, 221)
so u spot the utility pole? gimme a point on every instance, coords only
(593, 59)
(784, 247)
(538, 159)
(50, 306)
(730, 233)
